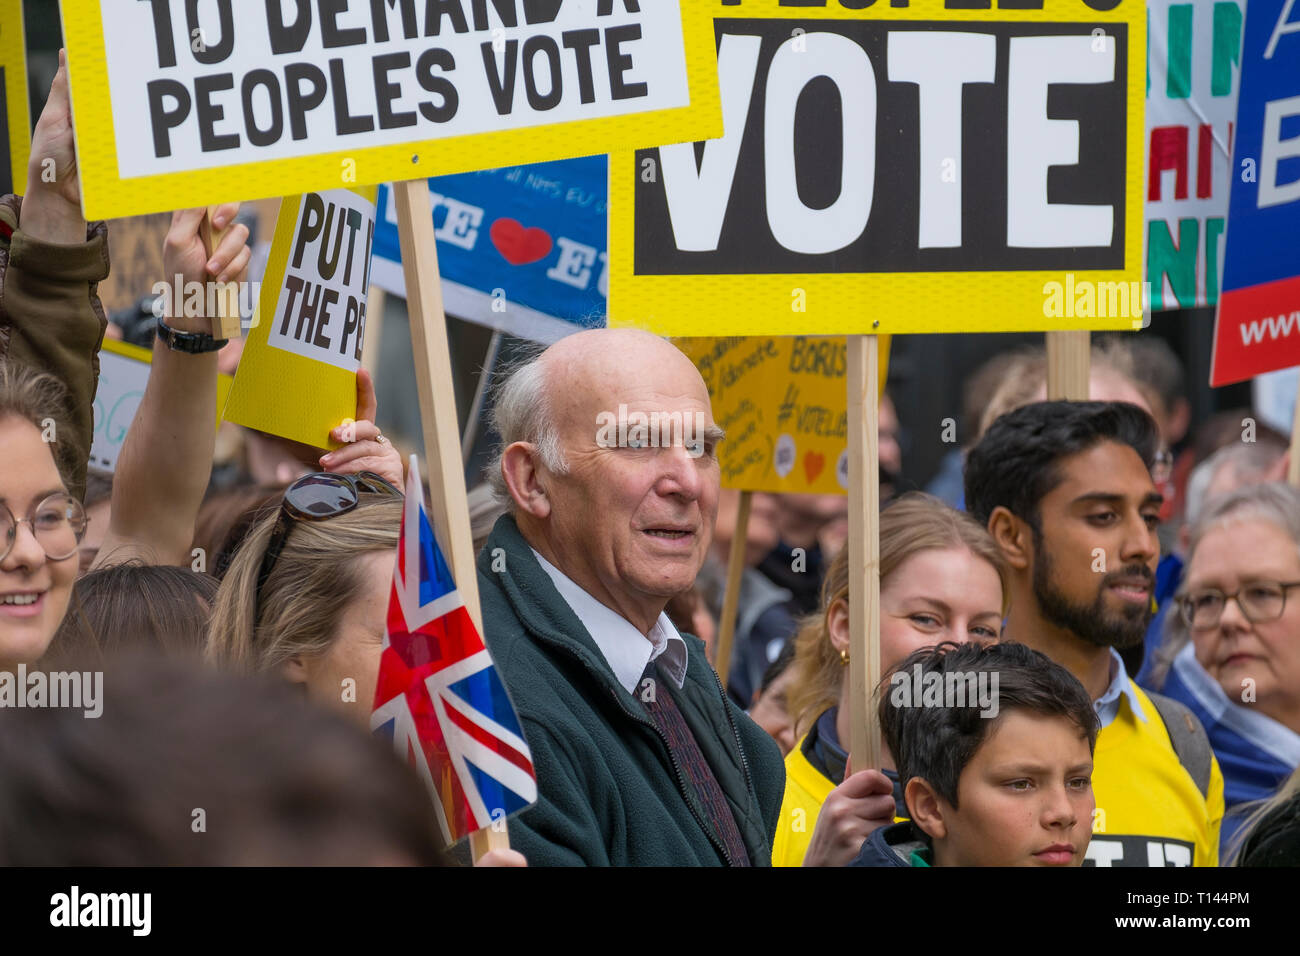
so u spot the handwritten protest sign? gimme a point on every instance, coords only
(297, 375)
(521, 249)
(123, 374)
(189, 104)
(15, 121)
(782, 403)
(1258, 327)
(929, 168)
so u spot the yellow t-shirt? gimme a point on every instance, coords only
(1149, 812)
(806, 789)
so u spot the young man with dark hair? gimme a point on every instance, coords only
(994, 748)
(1065, 489)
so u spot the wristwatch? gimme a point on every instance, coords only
(195, 343)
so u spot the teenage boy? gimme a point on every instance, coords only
(1065, 489)
(1002, 785)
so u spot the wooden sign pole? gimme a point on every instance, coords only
(450, 511)
(225, 320)
(1069, 358)
(864, 548)
(731, 597)
(470, 434)
(375, 301)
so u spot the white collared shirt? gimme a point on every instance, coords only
(1107, 705)
(627, 651)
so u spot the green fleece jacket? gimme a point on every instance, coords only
(608, 793)
(51, 320)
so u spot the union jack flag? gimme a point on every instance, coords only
(438, 697)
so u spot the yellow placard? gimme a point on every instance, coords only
(297, 375)
(15, 117)
(783, 403)
(191, 104)
(897, 169)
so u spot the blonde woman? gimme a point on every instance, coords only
(942, 578)
(306, 596)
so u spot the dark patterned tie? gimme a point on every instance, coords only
(681, 742)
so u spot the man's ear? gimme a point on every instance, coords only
(926, 807)
(1013, 538)
(519, 468)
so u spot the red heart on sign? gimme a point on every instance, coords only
(813, 463)
(517, 245)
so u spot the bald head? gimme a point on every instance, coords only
(608, 464)
(596, 370)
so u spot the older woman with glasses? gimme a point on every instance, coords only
(1232, 652)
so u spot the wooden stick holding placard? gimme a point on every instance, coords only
(450, 510)
(375, 299)
(1069, 360)
(731, 597)
(864, 548)
(225, 317)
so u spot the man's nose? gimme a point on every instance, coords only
(1141, 543)
(680, 472)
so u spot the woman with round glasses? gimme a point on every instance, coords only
(1232, 652)
(40, 523)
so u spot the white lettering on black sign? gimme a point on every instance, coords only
(321, 310)
(893, 146)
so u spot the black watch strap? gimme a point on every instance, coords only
(195, 343)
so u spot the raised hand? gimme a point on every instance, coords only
(52, 207)
(366, 448)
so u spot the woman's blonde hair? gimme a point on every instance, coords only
(314, 580)
(1025, 377)
(913, 523)
(1258, 810)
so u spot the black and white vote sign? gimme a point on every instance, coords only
(894, 146)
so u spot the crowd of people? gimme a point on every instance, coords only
(1090, 646)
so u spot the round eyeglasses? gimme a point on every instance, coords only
(58, 524)
(1259, 601)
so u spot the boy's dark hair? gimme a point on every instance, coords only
(1015, 463)
(936, 743)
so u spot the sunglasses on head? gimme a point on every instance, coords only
(317, 497)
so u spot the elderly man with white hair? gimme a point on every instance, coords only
(640, 758)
